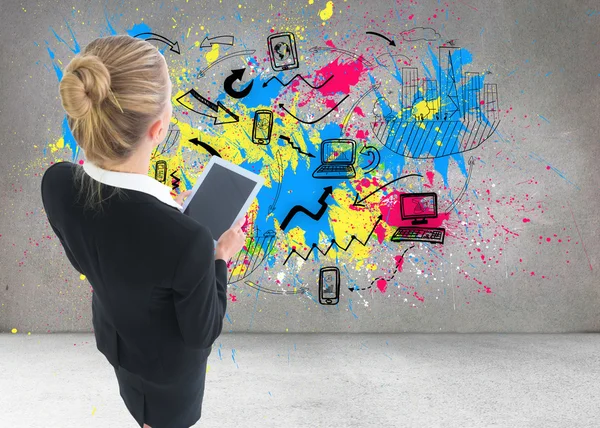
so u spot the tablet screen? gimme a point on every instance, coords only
(219, 199)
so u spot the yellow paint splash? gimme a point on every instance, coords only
(82, 277)
(213, 54)
(60, 144)
(14, 331)
(326, 13)
(426, 108)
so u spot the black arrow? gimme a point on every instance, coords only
(217, 40)
(228, 84)
(158, 37)
(224, 115)
(300, 209)
(283, 137)
(206, 147)
(391, 42)
(358, 202)
(319, 119)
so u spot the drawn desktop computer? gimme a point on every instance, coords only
(419, 207)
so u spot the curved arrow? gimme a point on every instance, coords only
(300, 209)
(202, 73)
(464, 189)
(359, 202)
(228, 84)
(314, 121)
(174, 45)
(375, 154)
(347, 118)
(358, 57)
(390, 41)
(217, 40)
(206, 147)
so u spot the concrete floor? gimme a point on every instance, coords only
(325, 380)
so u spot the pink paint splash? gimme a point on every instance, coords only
(380, 233)
(382, 282)
(430, 176)
(346, 75)
(359, 112)
(399, 262)
(362, 135)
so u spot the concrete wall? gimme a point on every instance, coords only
(520, 90)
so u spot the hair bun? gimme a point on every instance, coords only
(86, 84)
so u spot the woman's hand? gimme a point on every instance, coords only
(183, 195)
(231, 241)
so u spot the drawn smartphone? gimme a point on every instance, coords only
(161, 171)
(329, 285)
(262, 127)
(283, 52)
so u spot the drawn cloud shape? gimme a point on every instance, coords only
(420, 33)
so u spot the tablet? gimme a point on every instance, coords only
(221, 195)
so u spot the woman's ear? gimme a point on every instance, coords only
(155, 130)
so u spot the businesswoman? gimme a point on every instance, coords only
(159, 283)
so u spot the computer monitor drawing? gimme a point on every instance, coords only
(337, 159)
(418, 207)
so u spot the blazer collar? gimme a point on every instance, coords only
(132, 181)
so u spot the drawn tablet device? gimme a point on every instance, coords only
(222, 195)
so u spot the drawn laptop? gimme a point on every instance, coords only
(337, 159)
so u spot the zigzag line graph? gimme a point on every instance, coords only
(296, 77)
(333, 242)
(175, 181)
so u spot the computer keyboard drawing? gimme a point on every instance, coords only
(433, 235)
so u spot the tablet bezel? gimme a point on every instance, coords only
(259, 181)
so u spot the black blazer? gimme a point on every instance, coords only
(159, 295)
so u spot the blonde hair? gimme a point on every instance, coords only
(112, 92)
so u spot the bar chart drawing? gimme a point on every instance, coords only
(453, 114)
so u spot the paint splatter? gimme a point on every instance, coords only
(326, 13)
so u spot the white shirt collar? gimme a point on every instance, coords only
(132, 181)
